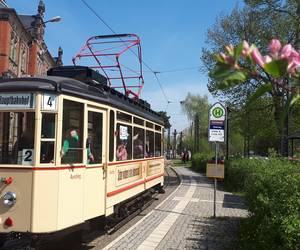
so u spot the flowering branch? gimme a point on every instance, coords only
(281, 62)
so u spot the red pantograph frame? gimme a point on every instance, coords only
(132, 84)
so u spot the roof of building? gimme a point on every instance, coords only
(27, 20)
(3, 4)
(94, 92)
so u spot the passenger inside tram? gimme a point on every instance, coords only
(90, 147)
(121, 152)
(71, 147)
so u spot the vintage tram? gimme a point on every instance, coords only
(72, 149)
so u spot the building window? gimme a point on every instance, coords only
(13, 47)
(138, 143)
(149, 146)
(124, 142)
(72, 142)
(24, 59)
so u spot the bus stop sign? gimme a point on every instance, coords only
(217, 120)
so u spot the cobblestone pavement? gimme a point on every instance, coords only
(184, 220)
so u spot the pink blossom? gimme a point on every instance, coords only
(286, 51)
(274, 46)
(246, 49)
(227, 59)
(229, 48)
(267, 59)
(257, 57)
(294, 63)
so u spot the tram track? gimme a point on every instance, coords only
(100, 237)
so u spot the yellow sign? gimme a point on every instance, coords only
(215, 171)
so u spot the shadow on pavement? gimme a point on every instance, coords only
(213, 233)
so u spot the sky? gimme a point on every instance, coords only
(172, 33)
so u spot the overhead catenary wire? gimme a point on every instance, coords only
(168, 71)
(143, 62)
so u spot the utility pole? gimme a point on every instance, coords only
(169, 143)
(197, 133)
(227, 133)
(180, 141)
(174, 144)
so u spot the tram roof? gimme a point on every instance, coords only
(94, 92)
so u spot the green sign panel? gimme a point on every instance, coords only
(217, 112)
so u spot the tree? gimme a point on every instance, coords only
(167, 126)
(196, 108)
(258, 22)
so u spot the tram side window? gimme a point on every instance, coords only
(111, 135)
(72, 142)
(157, 144)
(124, 142)
(47, 138)
(94, 140)
(17, 137)
(149, 146)
(138, 143)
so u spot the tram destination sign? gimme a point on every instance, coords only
(217, 119)
(16, 101)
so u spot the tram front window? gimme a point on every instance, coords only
(72, 143)
(17, 137)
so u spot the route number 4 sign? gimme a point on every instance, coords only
(49, 102)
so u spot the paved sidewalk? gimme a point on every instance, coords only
(184, 220)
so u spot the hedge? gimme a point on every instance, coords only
(199, 161)
(272, 193)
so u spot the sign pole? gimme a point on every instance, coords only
(215, 181)
(216, 133)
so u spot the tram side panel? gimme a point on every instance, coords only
(45, 201)
(123, 182)
(18, 216)
(155, 173)
(94, 193)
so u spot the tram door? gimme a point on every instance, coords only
(94, 189)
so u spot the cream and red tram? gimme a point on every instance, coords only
(72, 150)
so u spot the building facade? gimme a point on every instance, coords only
(23, 51)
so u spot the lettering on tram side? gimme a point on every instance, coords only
(154, 168)
(125, 175)
(11, 101)
(128, 173)
(75, 176)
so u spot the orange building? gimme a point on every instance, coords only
(23, 50)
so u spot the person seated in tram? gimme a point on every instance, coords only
(71, 145)
(121, 152)
(90, 148)
(138, 147)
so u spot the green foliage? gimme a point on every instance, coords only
(226, 76)
(272, 192)
(199, 161)
(260, 91)
(276, 68)
(166, 119)
(257, 21)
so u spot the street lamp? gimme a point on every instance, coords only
(53, 20)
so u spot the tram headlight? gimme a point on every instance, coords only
(9, 199)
